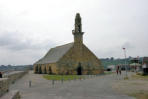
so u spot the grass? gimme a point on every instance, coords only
(108, 72)
(126, 78)
(140, 77)
(141, 95)
(60, 77)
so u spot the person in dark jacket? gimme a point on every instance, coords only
(1, 75)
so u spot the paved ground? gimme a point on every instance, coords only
(99, 87)
(138, 86)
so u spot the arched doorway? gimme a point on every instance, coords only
(79, 69)
(39, 69)
(49, 70)
(36, 69)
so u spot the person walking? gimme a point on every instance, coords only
(120, 70)
(117, 69)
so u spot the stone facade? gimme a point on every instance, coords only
(72, 58)
(70, 62)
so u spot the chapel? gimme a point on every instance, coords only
(70, 59)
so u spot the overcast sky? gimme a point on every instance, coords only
(29, 28)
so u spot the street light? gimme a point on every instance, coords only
(125, 61)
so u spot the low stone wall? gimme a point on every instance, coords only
(12, 95)
(13, 76)
(8, 79)
(4, 86)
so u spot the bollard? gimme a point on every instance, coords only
(87, 76)
(29, 83)
(80, 78)
(84, 77)
(52, 82)
(62, 80)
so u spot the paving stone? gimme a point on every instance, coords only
(99, 87)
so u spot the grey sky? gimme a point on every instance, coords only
(29, 28)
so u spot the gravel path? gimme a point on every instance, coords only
(99, 87)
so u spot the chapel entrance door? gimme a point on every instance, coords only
(79, 69)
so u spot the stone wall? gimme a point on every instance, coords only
(8, 79)
(45, 68)
(4, 86)
(13, 76)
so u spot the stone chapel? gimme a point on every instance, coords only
(70, 59)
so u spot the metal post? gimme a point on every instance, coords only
(53, 82)
(62, 80)
(80, 77)
(125, 60)
(29, 83)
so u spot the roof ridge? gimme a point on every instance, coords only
(63, 45)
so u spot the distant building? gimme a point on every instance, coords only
(135, 64)
(145, 60)
(72, 58)
(111, 67)
(145, 65)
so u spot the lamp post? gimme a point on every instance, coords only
(138, 63)
(125, 60)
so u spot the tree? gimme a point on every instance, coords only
(112, 58)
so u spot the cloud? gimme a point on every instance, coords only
(29, 28)
(128, 45)
(16, 49)
(14, 41)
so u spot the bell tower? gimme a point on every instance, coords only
(77, 32)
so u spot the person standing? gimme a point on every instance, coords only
(1, 76)
(117, 69)
(144, 68)
(120, 70)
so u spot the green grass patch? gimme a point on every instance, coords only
(126, 78)
(140, 77)
(60, 77)
(140, 95)
(108, 72)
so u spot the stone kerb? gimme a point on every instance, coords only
(4, 86)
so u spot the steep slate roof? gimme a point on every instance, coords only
(54, 54)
